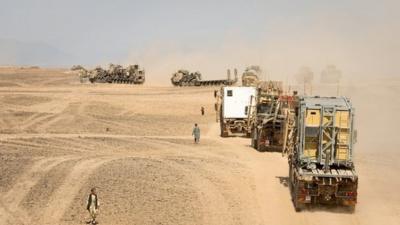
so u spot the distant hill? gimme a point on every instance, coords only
(13, 52)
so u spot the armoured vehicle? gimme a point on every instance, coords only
(235, 110)
(77, 68)
(251, 76)
(320, 152)
(304, 76)
(99, 75)
(83, 75)
(135, 75)
(117, 74)
(269, 116)
(185, 78)
(331, 75)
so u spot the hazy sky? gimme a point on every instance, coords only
(271, 33)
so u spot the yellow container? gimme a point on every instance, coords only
(343, 136)
(310, 148)
(342, 152)
(313, 118)
(342, 119)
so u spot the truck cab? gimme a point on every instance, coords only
(235, 112)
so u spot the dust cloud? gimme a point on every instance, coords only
(367, 57)
(364, 46)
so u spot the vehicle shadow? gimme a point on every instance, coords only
(283, 180)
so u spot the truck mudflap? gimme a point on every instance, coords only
(333, 187)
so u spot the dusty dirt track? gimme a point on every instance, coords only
(58, 138)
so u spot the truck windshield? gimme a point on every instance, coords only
(263, 108)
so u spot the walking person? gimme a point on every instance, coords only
(93, 205)
(202, 111)
(196, 133)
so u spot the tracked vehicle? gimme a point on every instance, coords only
(320, 152)
(118, 74)
(186, 78)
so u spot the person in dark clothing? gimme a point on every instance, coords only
(93, 205)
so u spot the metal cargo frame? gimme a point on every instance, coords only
(328, 106)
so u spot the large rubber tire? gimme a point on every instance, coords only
(223, 134)
(254, 140)
(260, 147)
(297, 205)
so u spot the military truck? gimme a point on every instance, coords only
(320, 152)
(251, 76)
(185, 78)
(331, 75)
(269, 117)
(236, 103)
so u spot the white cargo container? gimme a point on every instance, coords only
(235, 110)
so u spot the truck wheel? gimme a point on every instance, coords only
(298, 206)
(223, 133)
(290, 179)
(254, 141)
(260, 147)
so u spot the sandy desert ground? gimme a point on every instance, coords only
(59, 138)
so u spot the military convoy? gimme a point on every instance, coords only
(115, 74)
(316, 133)
(185, 78)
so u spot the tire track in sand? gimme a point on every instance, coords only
(64, 195)
(31, 122)
(214, 207)
(10, 201)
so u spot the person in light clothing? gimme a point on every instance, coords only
(93, 205)
(196, 133)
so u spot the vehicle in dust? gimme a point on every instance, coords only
(132, 74)
(185, 78)
(321, 166)
(251, 76)
(235, 110)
